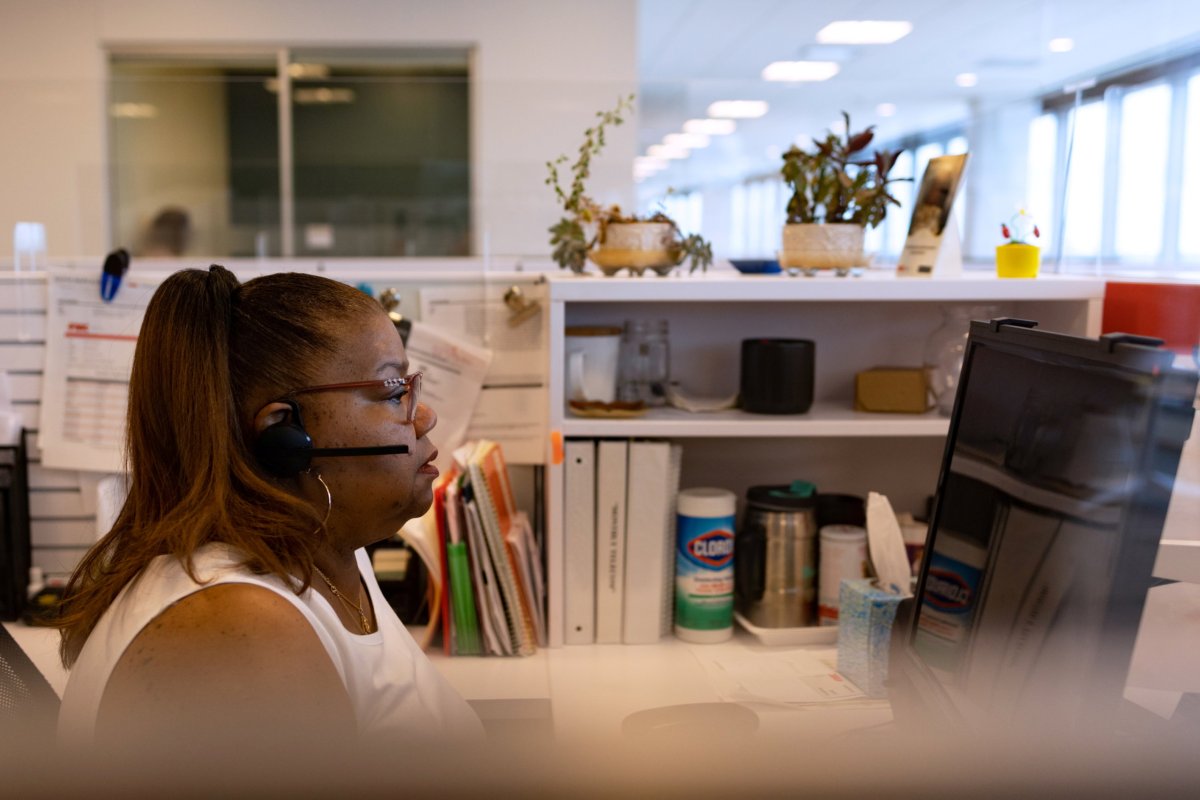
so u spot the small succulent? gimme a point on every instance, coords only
(834, 182)
(1019, 227)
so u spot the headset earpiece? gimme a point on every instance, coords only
(285, 449)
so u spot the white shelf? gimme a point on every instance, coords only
(721, 286)
(824, 419)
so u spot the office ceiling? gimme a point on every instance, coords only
(693, 52)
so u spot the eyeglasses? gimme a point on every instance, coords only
(411, 395)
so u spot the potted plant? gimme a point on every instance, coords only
(1016, 258)
(611, 239)
(837, 193)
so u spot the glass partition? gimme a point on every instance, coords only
(372, 160)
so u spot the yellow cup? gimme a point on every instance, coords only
(1016, 260)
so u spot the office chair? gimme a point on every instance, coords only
(28, 704)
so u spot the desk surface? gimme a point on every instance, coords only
(588, 691)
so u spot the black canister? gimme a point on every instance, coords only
(777, 375)
(775, 571)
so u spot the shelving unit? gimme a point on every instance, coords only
(856, 322)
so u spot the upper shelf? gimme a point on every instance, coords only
(725, 286)
(824, 419)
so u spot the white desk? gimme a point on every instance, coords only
(583, 692)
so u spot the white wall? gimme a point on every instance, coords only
(541, 70)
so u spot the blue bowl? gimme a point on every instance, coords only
(756, 266)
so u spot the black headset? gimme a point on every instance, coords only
(285, 449)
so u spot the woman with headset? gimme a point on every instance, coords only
(274, 430)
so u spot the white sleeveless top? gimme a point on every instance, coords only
(391, 683)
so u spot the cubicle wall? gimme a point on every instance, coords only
(63, 501)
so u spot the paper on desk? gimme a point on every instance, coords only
(886, 545)
(452, 381)
(1166, 653)
(512, 407)
(10, 421)
(785, 676)
(85, 385)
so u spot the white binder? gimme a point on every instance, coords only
(611, 469)
(579, 542)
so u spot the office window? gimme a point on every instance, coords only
(1085, 181)
(737, 221)
(896, 222)
(1142, 172)
(375, 162)
(687, 209)
(1039, 175)
(1189, 215)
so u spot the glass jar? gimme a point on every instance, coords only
(645, 362)
(944, 350)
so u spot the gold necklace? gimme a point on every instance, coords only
(346, 601)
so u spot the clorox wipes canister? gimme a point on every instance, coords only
(704, 565)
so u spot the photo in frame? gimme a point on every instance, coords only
(933, 242)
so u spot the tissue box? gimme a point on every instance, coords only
(865, 615)
(891, 390)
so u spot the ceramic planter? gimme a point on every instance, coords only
(818, 245)
(1017, 260)
(636, 246)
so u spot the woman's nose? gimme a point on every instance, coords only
(425, 420)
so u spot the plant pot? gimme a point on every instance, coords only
(818, 245)
(1017, 260)
(636, 246)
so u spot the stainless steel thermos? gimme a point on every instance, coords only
(776, 565)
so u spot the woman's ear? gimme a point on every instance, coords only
(271, 414)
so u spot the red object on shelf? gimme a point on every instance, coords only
(1167, 311)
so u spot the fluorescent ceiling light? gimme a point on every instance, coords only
(885, 110)
(666, 151)
(1063, 44)
(322, 96)
(738, 109)
(966, 79)
(710, 127)
(799, 71)
(864, 31)
(649, 164)
(692, 141)
(299, 70)
(133, 110)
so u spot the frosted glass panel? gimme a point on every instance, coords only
(1142, 172)
(1039, 180)
(1085, 184)
(1189, 215)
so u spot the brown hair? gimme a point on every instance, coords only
(210, 352)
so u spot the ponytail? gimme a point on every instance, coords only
(209, 348)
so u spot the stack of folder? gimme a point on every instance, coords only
(489, 557)
(619, 540)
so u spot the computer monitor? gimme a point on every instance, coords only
(1058, 469)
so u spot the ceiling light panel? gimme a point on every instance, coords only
(692, 141)
(800, 71)
(666, 151)
(710, 127)
(864, 31)
(738, 109)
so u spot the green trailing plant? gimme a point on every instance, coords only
(584, 222)
(836, 181)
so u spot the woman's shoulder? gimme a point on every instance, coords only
(231, 646)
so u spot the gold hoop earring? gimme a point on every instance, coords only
(328, 496)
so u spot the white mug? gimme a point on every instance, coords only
(592, 357)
